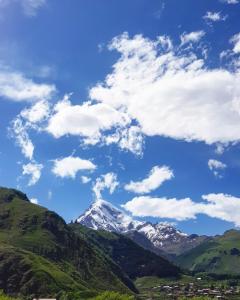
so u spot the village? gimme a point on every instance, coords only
(190, 290)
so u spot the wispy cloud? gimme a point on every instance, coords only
(85, 179)
(212, 16)
(156, 177)
(193, 37)
(30, 7)
(37, 112)
(235, 40)
(20, 135)
(34, 171)
(108, 181)
(230, 1)
(17, 87)
(216, 167)
(28, 119)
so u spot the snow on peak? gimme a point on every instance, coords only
(103, 215)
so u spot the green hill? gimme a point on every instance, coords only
(220, 255)
(41, 255)
(132, 258)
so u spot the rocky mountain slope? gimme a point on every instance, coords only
(161, 238)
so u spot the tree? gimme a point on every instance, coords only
(113, 296)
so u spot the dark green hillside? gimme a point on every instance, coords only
(28, 274)
(221, 255)
(133, 259)
(47, 254)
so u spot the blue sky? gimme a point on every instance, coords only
(136, 102)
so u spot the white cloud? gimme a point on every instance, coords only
(85, 179)
(95, 123)
(214, 17)
(172, 94)
(180, 210)
(86, 120)
(216, 166)
(155, 89)
(31, 7)
(193, 37)
(36, 112)
(230, 1)
(70, 166)
(165, 42)
(16, 87)
(34, 171)
(107, 181)
(220, 148)
(156, 177)
(236, 42)
(130, 139)
(34, 201)
(221, 206)
(25, 121)
(19, 132)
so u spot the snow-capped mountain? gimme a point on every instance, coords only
(161, 233)
(103, 215)
(162, 236)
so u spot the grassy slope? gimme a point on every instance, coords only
(220, 255)
(23, 272)
(132, 258)
(48, 252)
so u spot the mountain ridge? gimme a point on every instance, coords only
(220, 255)
(133, 259)
(161, 238)
(41, 255)
(47, 253)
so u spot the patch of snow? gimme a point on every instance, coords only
(104, 215)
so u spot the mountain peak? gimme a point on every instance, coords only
(104, 215)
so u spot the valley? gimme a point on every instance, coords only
(106, 250)
(188, 287)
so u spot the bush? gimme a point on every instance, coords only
(197, 298)
(76, 295)
(5, 297)
(113, 296)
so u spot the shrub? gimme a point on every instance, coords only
(113, 296)
(197, 298)
(5, 297)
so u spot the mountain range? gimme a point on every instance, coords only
(213, 255)
(104, 249)
(41, 255)
(161, 238)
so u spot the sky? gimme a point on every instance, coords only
(136, 102)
